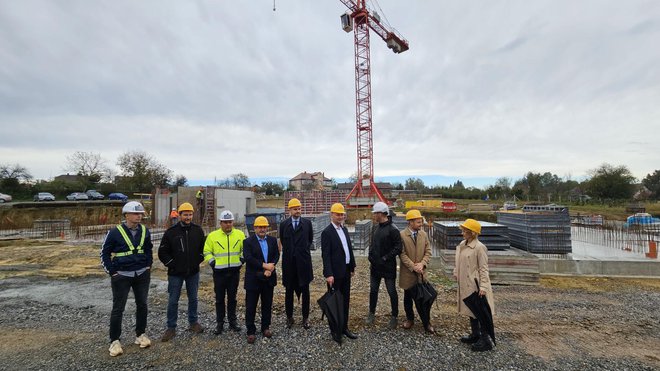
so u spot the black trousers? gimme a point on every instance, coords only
(374, 286)
(344, 286)
(265, 292)
(424, 314)
(225, 283)
(121, 285)
(288, 300)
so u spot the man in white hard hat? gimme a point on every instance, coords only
(385, 247)
(126, 255)
(223, 251)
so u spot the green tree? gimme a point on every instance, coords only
(611, 183)
(180, 181)
(143, 172)
(272, 188)
(415, 184)
(652, 183)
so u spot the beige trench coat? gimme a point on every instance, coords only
(471, 263)
(413, 253)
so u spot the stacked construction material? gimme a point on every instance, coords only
(316, 202)
(400, 222)
(539, 232)
(319, 222)
(448, 235)
(361, 237)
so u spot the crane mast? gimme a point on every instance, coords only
(359, 20)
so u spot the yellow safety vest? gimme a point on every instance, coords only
(226, 249)
(131, 249)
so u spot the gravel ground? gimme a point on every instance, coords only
(48, 324)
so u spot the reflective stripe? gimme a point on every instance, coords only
(129, 243)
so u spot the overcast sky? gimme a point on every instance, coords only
(213, 88)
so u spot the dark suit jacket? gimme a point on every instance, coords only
(332, 251)
(254, 258)
(296, 246)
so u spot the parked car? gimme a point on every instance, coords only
(77, 196)
(4, 198)
(44, 196)
(94, 195)
(117, 196)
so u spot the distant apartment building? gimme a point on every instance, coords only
(310, 181)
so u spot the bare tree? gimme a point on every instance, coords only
(15, 171)
(89, 165)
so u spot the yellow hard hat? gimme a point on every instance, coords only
(294, 202)
(186, 206)
(337, 208)
(413, 214)
(261, 221)
(472, 225)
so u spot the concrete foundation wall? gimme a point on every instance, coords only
(600, 267)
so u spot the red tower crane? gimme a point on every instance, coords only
(360, 19)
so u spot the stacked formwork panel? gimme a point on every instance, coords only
(448, 235)
(319, 222)
(316, 202)
(539, 232)
(361, 237)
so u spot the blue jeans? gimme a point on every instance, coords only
(174, 285)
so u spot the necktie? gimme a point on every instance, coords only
(295, 224)
(415, 237)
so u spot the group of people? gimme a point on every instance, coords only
(126, 255)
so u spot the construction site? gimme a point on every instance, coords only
(572, 291)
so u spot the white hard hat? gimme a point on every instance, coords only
(133, 207)
(226, 215)
(380, 207)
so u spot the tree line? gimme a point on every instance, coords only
(604, 183)
(141, 172)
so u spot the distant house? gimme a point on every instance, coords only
(310, 181)
(67, 178)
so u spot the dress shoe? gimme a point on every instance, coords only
(408, 324)
(430, 329)
(251, 339)
(484, 344)
(370, 319)
(196, 328)
(338, 338)
(393, 323)
(168, 335)
(267, 333)
(218, 330)
(289, 322)
(350, 335)
(474, 336)
(234, 326)
(305, 324)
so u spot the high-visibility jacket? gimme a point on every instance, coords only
(225, 249)
(174, 214)
(121, 251)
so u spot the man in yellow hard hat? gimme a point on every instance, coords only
(296, 238)
(414, 258)
(261, 255)
(181, 250)
(338, 260)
